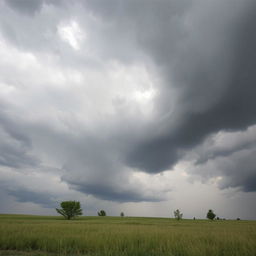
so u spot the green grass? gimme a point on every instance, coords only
(23, 235)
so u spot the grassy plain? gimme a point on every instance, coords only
(24, 235)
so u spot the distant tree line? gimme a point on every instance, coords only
(72, 209)
(210, 215)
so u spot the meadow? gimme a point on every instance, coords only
(24, 235)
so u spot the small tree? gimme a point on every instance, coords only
(178, 215)
(211, 215)
(102, 213)
(122, 214)
(70, 209)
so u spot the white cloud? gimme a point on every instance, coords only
(72, 34)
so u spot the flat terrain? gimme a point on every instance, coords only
(24, 235)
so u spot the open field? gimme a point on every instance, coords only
(24, 235)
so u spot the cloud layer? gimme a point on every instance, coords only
(95, 93)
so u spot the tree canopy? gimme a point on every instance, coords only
(178, 215)
(210, 215)
(70, 209)
(102, 213)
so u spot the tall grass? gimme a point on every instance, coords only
(102, 236)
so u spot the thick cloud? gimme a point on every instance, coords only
(34, 197)
(203, 49)
(227, 157)
(30, 7)
(216, 80)
(14, 145)
(117, 192)
(100, 91)
(25, 6)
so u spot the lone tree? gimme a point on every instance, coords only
(70, 209)
(210, 215)
(178, 215)
(102, 213)
(122, 214)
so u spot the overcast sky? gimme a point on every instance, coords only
(140, 106)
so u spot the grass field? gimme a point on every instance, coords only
(24, 235)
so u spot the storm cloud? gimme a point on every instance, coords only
(107, 95)
(34, 197)
(216, 80)
(227, 157)
(14, 144)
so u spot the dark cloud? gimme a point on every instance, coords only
(228, 158)
(224, 144)
(202, 50)
(43, 199)
(90, 163)
(25, 6)
(236, 170)
(216, 80)
(116, 192)
(205, 52)
(30, 7)
(15, 145)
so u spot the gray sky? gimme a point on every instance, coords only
(135, 106)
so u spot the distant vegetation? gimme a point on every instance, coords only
(72, 209)
(116, 236)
